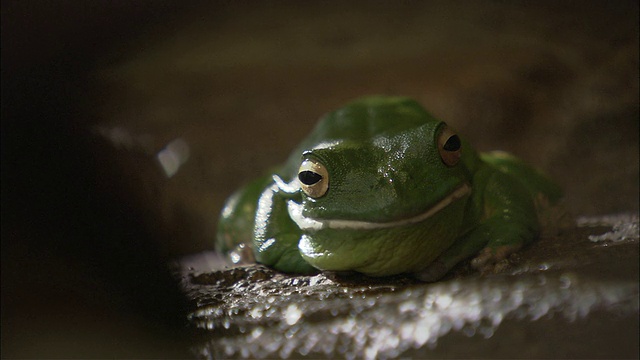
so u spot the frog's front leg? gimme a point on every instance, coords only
(507, 221)
(511, 220)
(276, 236)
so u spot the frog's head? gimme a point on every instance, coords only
(376, 166)
(380, 160)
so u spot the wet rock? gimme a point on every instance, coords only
(570, 295)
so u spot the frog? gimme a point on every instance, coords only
(381, 187)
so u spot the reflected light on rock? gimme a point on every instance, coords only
(387, 327)
(625, 227)
(174, 155)
(292, 314)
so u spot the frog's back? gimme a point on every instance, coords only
(533, 180)
(360, 121)
(368, 117)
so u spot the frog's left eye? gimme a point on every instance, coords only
(449, 146)
(314, 178)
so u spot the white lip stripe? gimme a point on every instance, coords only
(306, 223)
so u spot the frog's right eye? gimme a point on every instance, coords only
(314, 178)
(449, 146)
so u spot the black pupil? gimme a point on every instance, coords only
(453, 143)
(309, 177)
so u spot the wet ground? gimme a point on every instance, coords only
(125, 128)
(564, 297)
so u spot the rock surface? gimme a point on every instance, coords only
(572, 296)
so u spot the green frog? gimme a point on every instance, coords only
(381, 187)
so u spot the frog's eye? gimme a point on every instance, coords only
(314, 178)
(449, 146)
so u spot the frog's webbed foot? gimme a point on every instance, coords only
(493, 259)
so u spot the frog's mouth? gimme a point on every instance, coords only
(307, 223)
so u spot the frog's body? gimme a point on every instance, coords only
(381, 187)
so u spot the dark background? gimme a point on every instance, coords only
(80, 276)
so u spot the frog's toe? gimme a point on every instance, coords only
(484, 257)
(490, 259)
(433, 272)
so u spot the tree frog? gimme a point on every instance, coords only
(381, 187)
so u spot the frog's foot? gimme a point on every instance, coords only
(492, 259)
(433, 272)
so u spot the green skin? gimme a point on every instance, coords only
(396, 202)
